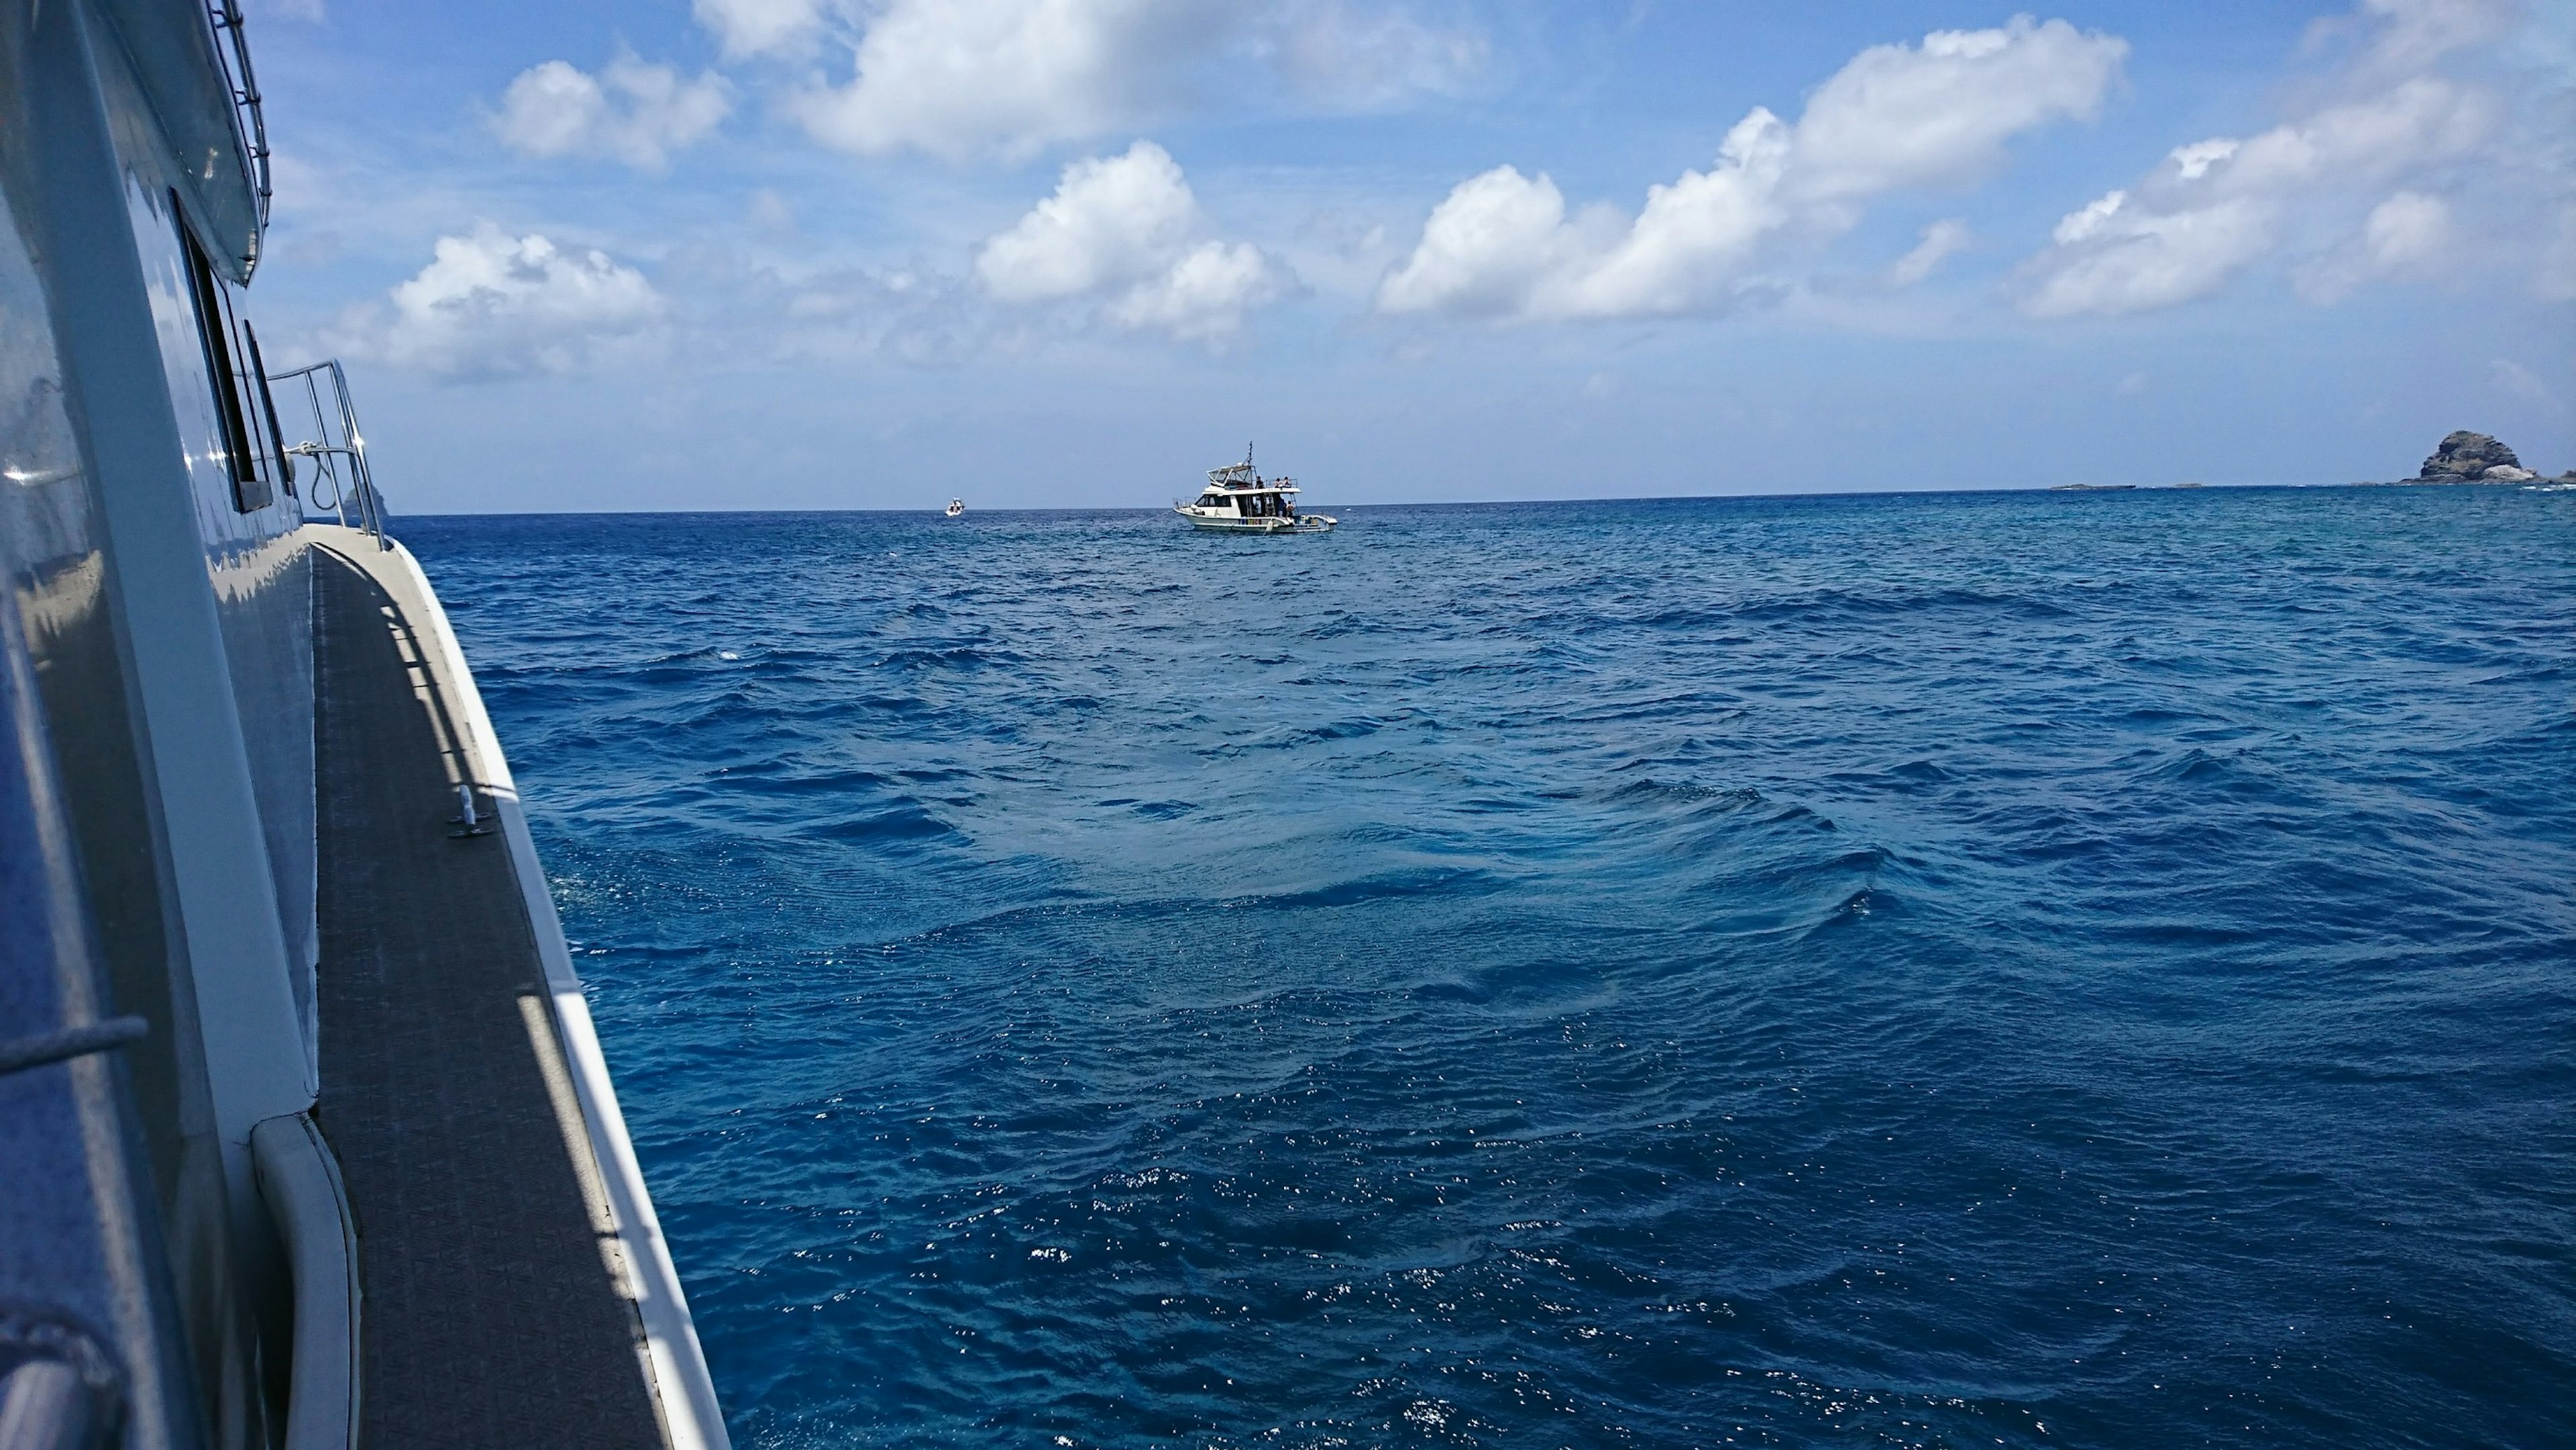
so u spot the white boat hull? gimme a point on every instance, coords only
(1219, 523)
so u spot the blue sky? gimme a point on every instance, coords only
(877, 253)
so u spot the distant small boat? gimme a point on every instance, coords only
(1239, 500)
(956, 506)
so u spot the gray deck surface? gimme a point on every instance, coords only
(491, 1316)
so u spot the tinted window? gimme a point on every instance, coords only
(250, 489)
(268, 409)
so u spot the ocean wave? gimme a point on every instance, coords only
(1803, 970)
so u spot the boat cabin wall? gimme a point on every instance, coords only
(246, 509)
(161, 592)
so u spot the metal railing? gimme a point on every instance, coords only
(234, 53)
(339, 453)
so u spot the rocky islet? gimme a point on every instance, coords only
(2466, 457)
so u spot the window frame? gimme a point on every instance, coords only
(268, 407)
(251, 490)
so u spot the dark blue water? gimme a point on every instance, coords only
(1992, 969)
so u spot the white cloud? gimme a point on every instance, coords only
(1203, 296)
(2213, 209)
(1897, 116)
(1941, 241)
(2192, 162)
(961, 79)
(1127, 231)
(2120, 258)
(494, 305)
(2406, 37)
(1110, 220)
(1486, 249)
(1903, 115)
(760, 27)
(2091, 218)
(2409, 236)
(632, 112)
(308, 11)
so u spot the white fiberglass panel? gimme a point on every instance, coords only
(256, 564)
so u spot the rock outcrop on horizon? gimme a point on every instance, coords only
(2467, 457)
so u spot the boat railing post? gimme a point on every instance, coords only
(355, 490)
(325, 457)
(370, 503)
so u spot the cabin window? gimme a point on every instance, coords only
(250, 488)
(268, 410)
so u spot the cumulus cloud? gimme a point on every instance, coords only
(1904, 115)
(2354, 183)
(1203, 296)
(494, 305)
(1109, 219)
(630, 112)
(1127, 232)
(961, 79)
(1897, 116)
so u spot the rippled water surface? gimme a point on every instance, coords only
(2024, 969)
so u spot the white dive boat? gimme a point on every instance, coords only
(1239, 500)
(306, 1138)
(956, 507)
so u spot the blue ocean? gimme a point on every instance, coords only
(1978, 969)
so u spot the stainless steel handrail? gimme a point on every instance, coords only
(234, 54)
(358, 490)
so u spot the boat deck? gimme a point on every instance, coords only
(496, 1310)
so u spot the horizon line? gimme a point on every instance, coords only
(935, 508)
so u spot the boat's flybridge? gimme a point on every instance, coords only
(1239, 500)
